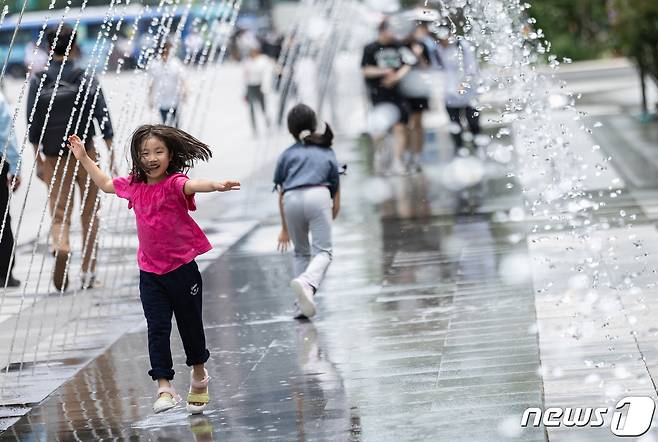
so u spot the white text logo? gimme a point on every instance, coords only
(631, 417)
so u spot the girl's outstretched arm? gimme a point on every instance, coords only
(102, 180)
(195, 186)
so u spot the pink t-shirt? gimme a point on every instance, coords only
(168, 236)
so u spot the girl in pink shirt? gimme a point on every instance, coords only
(169, 282)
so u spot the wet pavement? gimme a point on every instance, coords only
(417, 335)
(46, 337)
(53, 335)
(444, 315)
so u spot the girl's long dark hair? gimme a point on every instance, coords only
(183, 148)
(303, 124)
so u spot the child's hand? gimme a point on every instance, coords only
(334, 211)
(389, 81)
(76, 146)
(226, 186)
(283, 241)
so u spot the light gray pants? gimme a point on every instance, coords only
(309, 210)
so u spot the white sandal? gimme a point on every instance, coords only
(201, 398)
(164, 403)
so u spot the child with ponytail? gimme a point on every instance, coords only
(307, 179)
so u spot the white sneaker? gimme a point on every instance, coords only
(304, 293)
(297, 312)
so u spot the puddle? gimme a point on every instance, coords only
(176, 417)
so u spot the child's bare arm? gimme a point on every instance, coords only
(194, 186)
(336, 207)
(284, 237)
(102, 180)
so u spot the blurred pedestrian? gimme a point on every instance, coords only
(423, 35)
(285, 82)
(35, 56)
(460, 69)
(123, 53)
(167, 88)
(54, 106)
(9, 152)
(194, 43)
(418, 95)
(307, 179)
(246, 41)
(383, 66)
(257, 70)
(169, 241)
(273, 43)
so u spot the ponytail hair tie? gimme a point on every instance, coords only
(305, 134)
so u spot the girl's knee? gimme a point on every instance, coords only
(158, 327)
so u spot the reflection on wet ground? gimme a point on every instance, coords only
(418, 336)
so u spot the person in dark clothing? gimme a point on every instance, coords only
(50, 123)
(9, 173)
(461, 76)
(383, 65)
(272, 44)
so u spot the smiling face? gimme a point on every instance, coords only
(154, 158)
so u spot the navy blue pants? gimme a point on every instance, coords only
(178, 292)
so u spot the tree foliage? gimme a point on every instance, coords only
(635, 25)
(578, 29)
